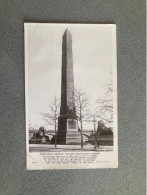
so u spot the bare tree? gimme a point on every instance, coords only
(104, 108)
(51, 117)
(30, 126)
(81, 101)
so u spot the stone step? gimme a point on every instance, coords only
(73, 133)
(73, 137)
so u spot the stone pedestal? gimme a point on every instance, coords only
(68, 134)
(73, 137)
(62, 128)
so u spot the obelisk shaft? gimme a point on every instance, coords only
(67, 120)
(67, 86)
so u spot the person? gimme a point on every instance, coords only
(100, 128)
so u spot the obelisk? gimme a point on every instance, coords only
(67, 120)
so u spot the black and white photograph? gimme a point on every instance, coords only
(71, 96)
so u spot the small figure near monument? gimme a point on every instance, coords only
(101, 126)
(40, 137)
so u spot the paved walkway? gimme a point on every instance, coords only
(64, 148)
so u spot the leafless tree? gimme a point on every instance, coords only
(104, 104)
(82, 103)
(30, 126)
(51, 117)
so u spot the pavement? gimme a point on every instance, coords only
(64, 148)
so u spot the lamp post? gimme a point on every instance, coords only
(94, 124)
(96, 145)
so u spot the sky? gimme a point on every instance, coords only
(93, 58)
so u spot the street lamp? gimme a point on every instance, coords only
(94, 123)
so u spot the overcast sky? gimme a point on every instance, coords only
(93, 57)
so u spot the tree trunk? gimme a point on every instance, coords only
(81, 134)
(55, 122)
(55, 137)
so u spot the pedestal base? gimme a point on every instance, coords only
(68, 131)
(73, 138)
